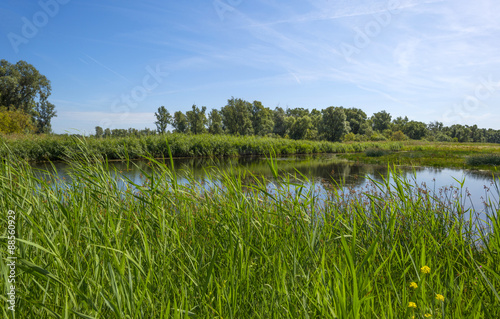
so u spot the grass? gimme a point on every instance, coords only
(90, 248)
(433, 154)
(489, 159)
(54, 148)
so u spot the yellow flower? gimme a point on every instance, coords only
(439, 297)
(412, 305)
(427, 315)
(425, 270)
(414, 285)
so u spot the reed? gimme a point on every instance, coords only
(99, 246)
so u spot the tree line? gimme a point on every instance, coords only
(240, 117)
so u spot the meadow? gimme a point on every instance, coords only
(225, 248)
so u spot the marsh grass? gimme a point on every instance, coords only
(488, 159)
(220, 248)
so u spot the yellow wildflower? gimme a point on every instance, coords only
(414, 285)
(439, 297)
(425, 270)
(412, 305)
(427, 315)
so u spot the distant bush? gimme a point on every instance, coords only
(375, 152)
(377, 137)
(490, 159)
(398, 136)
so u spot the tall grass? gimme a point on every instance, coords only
(90, 247)
(46, 147)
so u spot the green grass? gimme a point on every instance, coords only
(88, 248)
(489, 159)
(433, 154)
(54, 148)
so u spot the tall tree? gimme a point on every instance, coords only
(381, 121)
(23, 88)
(279, 117)
(356, 118)
(301, 127)
(237, 117)
(215, 122)
(197, 119)
(334, 124)
(99, 132)
(262, 119)
(180, 122)
(163, 118)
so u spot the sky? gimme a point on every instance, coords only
(112, 63)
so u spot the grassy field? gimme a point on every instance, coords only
(92, 249)
(47, 147)
(434, 154)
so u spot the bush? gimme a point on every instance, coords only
(375, 152)
(476, 160)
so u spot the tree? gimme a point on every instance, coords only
(197, 119)
(163, 118)
(237, 117)
(381, 121)
(23, 88)
(262, 119)
(415, 130)
(180, 122)
(279, 117)
(99, 132)
(301, 127)
(215, 122)
(334, 124)
(356, 118)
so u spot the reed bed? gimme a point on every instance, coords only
(54, 148)
(99, 246)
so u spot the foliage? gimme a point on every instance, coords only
(334, 124)
(24, 89)
(237, 117)
(180, 123)
(15, 122)
(215, 122)
(485, 159)
(163, 118)
(381, 121)
(197, 119)
(375, 152)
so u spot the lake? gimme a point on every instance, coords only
(325, 172)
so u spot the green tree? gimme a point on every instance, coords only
(280, 125)
(99, 132)
(180, 122)
(415, 130)
(15, 122)
(356, 118)
(23, 88)
(215, 122)
(237, 117)
(197, 119)
(334, 124)
(301, 127)
(262, 119)
(163, 118)
(381, 121)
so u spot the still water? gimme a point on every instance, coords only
(477, 189)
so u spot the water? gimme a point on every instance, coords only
(325, 171)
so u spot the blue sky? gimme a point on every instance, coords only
(113, 63)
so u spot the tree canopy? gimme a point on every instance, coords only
(23, 88)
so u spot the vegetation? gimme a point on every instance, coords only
(97, 246)
(24, 90)
(436, 154)
(51, 147)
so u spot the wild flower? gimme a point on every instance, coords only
(414, 285)
(427, 315)
(412, 305)
(439, 297)
(425, 270)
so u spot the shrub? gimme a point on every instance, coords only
(375, 152)
(489, 159)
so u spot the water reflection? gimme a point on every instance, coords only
(324, 171)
